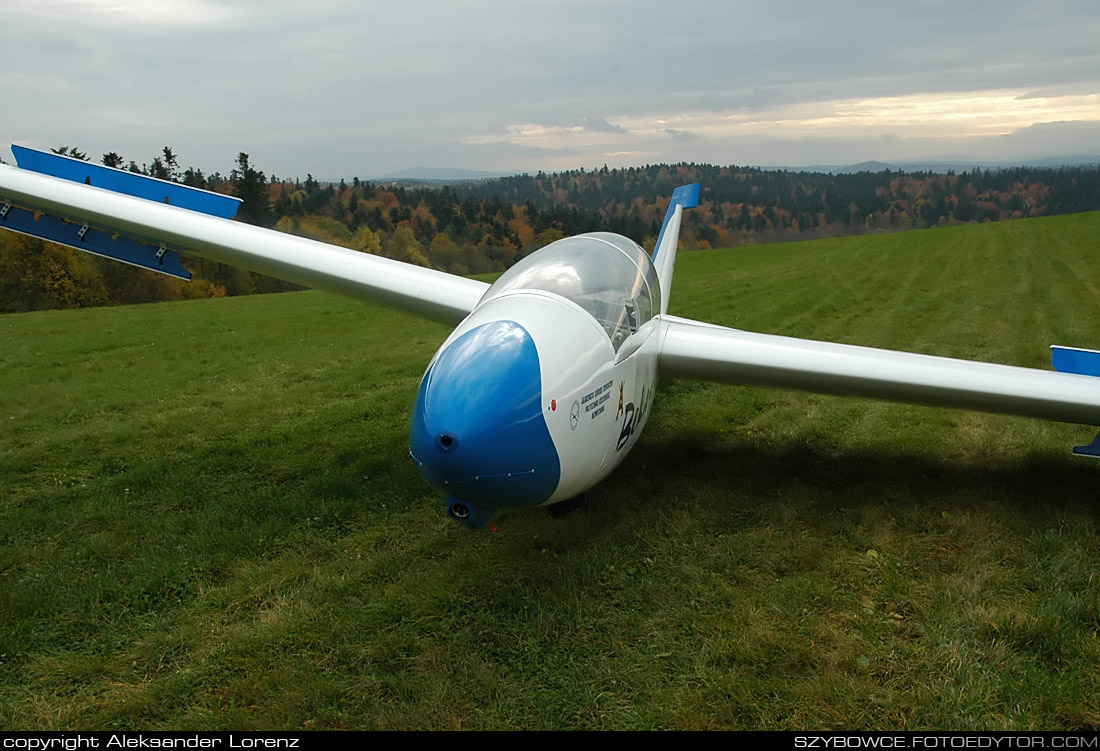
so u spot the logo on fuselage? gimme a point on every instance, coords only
(633, 418)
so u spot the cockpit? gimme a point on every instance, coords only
(608, 275)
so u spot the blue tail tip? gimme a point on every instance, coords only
(686, 196)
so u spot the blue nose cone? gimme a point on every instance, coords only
(478, 431)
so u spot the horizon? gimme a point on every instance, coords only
(444, 175)
(921, 165)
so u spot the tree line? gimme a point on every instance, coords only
(487, 225)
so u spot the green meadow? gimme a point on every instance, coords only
(208, 520)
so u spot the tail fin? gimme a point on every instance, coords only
(664, 255)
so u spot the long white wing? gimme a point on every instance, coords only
(433, 294)
(691, 349)
(72, 213)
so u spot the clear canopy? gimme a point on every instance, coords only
(608, 275)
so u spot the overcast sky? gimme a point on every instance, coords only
(343, 87)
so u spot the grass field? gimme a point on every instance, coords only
(208, 520)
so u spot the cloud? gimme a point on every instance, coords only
(337, 81)
(14, 84)
(120, 13)
(599, 125)
(681, 135)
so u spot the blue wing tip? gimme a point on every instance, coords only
(127, 183)
(1075, 360)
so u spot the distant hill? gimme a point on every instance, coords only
(948, 164)
(440, 174)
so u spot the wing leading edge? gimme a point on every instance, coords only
(691, 349)
(72, 212)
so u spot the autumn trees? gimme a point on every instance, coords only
(483, 226)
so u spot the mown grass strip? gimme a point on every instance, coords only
(208, 519)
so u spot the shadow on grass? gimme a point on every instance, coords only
(747, 476)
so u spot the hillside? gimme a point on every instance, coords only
(209, 520)
(483, 226)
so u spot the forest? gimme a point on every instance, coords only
(485, 226)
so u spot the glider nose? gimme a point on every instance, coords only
(478, 433)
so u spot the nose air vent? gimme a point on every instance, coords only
(446, 442)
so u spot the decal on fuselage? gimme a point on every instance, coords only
(593, 401)
(633, 418)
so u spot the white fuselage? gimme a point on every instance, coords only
(533, 400)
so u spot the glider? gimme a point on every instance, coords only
(548, 378)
